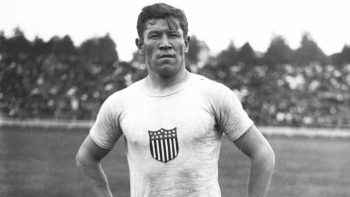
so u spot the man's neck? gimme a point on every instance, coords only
(159, 83)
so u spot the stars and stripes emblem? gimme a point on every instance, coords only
(163, 144)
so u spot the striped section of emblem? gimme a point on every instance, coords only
(163, 144)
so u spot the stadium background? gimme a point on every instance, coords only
(278, 87)
(50, 92)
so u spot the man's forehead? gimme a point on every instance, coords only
(166, 24)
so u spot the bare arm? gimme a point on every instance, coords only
(88, 160)
(256, 147)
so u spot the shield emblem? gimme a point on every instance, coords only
(163, 144)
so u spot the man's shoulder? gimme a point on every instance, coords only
(207, 85)
(125, 93)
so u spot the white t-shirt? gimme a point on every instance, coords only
(172, 140)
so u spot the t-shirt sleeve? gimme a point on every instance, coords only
(106, 131)
(231, 117)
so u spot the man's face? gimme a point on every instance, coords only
(164, 47)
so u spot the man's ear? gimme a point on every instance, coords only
(187, 44)
(140, 47)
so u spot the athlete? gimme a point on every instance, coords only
(172, 122)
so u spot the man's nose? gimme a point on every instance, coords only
(165, 43)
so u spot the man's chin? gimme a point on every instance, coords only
(167, 65)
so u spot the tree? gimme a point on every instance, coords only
(309, 52)
(195, 47)
(39, 47)
(278, 52)
(17, 44)
(2, 42)
(341, 58)
(346, 54)
(62, 46)
(246, 54)
(99, 49)
(228, 56)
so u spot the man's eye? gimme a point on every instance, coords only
(153, 36)
(174, 35)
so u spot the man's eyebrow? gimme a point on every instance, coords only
(162, 31)
(155, 31)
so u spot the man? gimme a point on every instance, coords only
(173, 121)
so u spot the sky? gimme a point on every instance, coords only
(217, 22)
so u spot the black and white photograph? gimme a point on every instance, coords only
(174, 98)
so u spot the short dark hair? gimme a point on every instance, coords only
(161, 11)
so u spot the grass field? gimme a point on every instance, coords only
(38, 162)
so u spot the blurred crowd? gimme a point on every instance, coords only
(282, 87)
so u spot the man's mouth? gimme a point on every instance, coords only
(167, 55)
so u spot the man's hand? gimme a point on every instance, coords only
(88, 160)
(255, 146)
